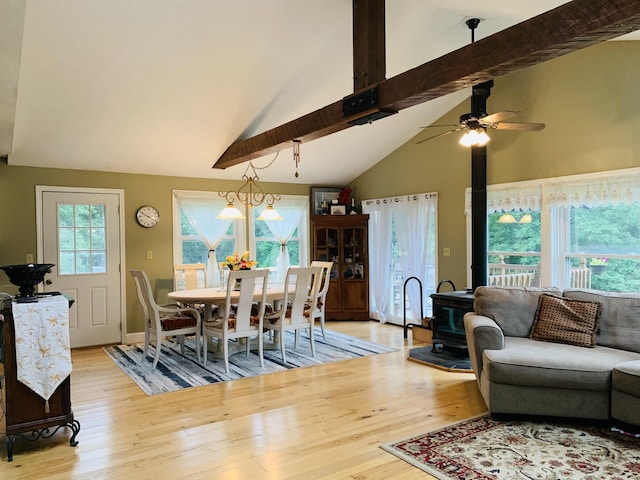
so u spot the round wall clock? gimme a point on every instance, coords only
(147, 216)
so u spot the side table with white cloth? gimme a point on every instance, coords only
(37, 367)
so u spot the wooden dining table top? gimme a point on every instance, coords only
(216, 296)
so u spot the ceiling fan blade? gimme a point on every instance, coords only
(498, 117)
(521, 127)
(441, 134)
(448, 126)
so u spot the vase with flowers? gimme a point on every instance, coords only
(239, 262)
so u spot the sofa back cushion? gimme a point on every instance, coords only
(619, 320)
(512, 308)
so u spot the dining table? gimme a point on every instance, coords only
(218, 296)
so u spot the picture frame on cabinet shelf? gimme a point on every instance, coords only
(338, 209)
(319, 195)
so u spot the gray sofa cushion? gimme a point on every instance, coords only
(551, 365)
(512, 308)
(626, 378)
(619, 320)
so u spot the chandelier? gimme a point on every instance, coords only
(250, 195)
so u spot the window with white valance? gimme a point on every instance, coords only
(582, 220)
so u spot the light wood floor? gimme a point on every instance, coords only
(324, 422)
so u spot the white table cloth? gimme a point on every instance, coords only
(43, 351)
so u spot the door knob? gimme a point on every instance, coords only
(48, 282)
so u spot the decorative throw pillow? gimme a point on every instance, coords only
(562, 320)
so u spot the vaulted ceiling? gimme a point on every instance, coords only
(165, 86)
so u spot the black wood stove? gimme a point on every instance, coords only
(447, 321)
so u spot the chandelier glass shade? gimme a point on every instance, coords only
(250, 195)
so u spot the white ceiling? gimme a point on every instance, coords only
(165, 86)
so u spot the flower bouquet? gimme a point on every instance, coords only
(237, 262)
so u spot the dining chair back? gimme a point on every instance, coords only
(321, 299)
(163, 321)
(190, 276)
(296, 311)
(243, 316)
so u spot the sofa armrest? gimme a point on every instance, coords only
(482, 334)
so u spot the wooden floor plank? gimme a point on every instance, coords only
(324, 422)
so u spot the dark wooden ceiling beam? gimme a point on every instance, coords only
(568, 28)
(369, 58)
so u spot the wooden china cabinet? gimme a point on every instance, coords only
(343, 239)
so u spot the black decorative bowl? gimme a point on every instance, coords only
(26, 277)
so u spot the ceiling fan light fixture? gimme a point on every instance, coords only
(475, 137)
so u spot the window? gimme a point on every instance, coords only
(82, 239)
(514, 247)
(582, 231)
(195, 250)
(607, 241)
(200, 237)
(279, 244)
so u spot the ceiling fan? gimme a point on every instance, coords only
(478, 121)
(476, 125)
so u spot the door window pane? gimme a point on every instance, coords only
(81, 239)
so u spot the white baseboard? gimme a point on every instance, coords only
(136, 337)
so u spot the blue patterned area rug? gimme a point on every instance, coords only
(176, 371)
(486, 449)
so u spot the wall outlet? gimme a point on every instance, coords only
(446, 252)
(149, 255)
(29, 258)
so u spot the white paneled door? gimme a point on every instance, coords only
(80, 232)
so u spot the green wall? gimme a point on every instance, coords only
(18, 212)
(590, 103)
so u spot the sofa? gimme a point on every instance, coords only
(545, 352)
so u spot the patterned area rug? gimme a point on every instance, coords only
(482, 448)
(176, 371)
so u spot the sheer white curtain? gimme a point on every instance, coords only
(201, 211)
(380, 255)
(412, 219)
(291, 210)
(414, 216)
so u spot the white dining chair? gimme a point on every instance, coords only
(297, 308)
(238, 321)
(321, 297)
(189, 276)
(162, 321)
